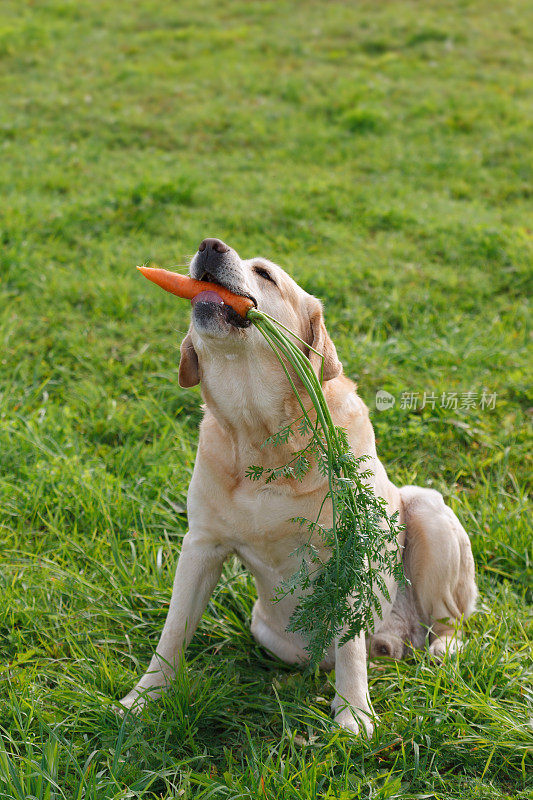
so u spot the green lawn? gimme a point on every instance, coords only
(380, 151)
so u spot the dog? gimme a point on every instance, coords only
(248, 399)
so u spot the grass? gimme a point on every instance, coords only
(381, 153)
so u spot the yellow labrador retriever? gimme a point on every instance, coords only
(248, 398)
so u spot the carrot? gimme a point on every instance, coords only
(189, 288)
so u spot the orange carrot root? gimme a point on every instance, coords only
(183, 286)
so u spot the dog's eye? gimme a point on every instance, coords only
(264, 274)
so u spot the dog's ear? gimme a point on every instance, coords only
(320, 341)
(189, 371)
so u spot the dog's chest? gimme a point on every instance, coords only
(268, 511)
(256, 521)
(267, 535)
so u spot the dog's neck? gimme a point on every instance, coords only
(250, 398)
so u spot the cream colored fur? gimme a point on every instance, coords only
(247, 399)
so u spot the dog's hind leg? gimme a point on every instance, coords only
(281, 644)
(400, 631)
(438, 562)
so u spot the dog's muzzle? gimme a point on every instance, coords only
(218, 263)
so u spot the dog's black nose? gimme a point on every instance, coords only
(214, 245)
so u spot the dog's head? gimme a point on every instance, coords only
(217, 328)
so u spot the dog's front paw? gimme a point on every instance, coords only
(356, 723)
(135, 700)
(132, 703)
